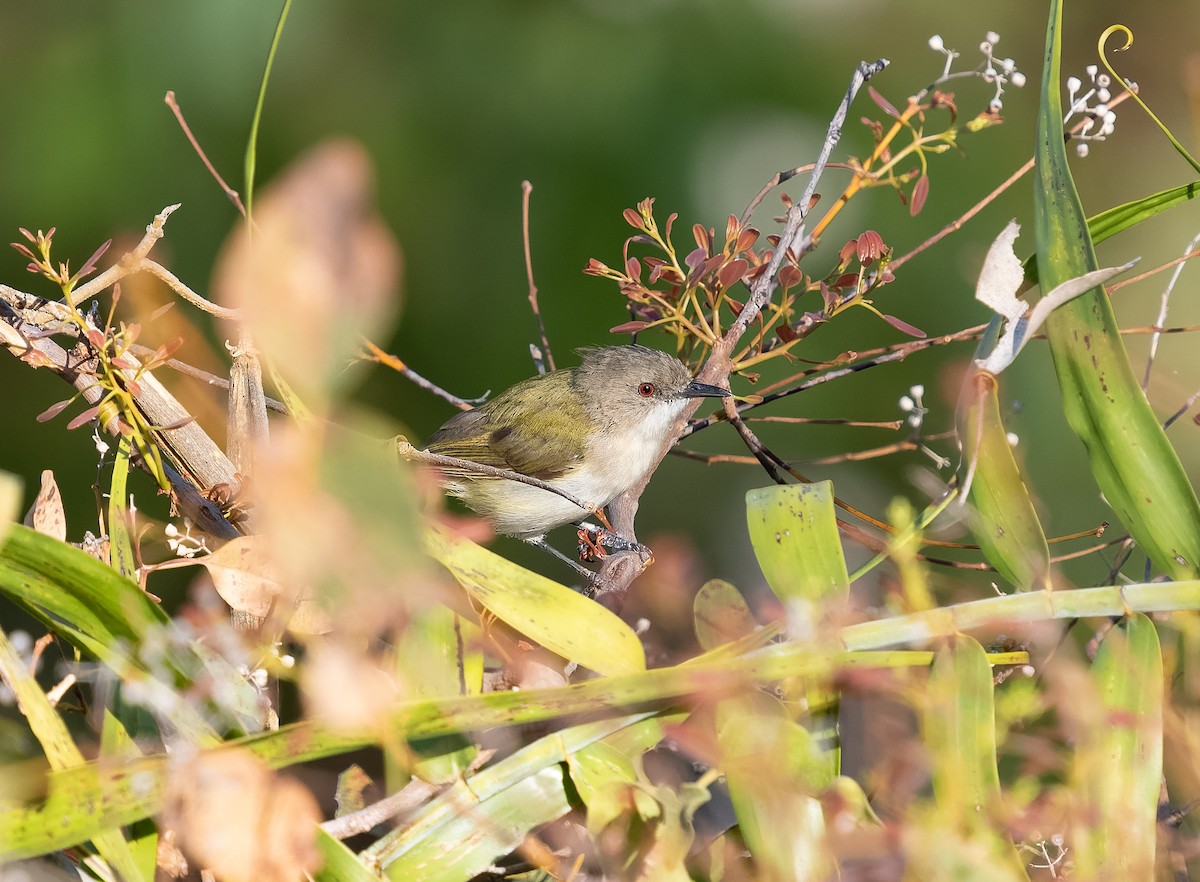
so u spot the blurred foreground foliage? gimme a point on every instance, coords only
(521, 728)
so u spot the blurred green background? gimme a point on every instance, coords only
(599, 103)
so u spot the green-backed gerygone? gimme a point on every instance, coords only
(593, 431)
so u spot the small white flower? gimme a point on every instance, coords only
(992, 37)
(1013, 439)
(936, 44)
(907, 404)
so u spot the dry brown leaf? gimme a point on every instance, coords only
(237, 818)
(247, 579)
(320, 270)
(46, 515)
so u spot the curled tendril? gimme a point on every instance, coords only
(1117, 78)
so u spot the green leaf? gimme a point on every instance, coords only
(60, 749)
(794, 533)
(545, 611)
(10, 502)
(1132, 461)
(1119, 760)
(721, 615)
(120, 544)
(462, 831)
(1005, 523)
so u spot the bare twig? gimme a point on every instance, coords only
(229, 191)
(377, 355)
(1162, 309)
(526, 189)
(190, 370)
(201, 303)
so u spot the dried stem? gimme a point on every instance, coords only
(526, 189)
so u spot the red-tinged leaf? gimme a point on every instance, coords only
(96, 337)
(628, 328)
(633, 268)
(646, 206)
(593, 268)
(28, 235)
(785, 333)
(711, 264)
(847, 280)
(732, 272)
(903, 326)
(884, 104)
(746, 240)
(135, 388)
(919, 194)
(25, 252)
(179, 424)
(695, 258)
(162, 310)
(733, 226)
(703, 238)
(122, 363)
(89, 265)
(790, 276)
(773, 239)
(849, 250)
(53, 410)
(735, 306)
(162, 353)
(870, 247)
(670, 223)
(33, 268)
(633, 219)
(50, 234)
(125, 429)
(786, 200)
(86, 417)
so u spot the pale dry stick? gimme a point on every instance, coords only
(526, 190)
(412, 795)
(1162, 309)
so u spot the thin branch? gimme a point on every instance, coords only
(229, 191)
(201, 303)
(196, 373)
(377, 355)
(526, 189)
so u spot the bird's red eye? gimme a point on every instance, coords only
(646, 390)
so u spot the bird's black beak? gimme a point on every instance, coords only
(697, 389)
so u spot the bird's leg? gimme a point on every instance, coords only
(540, 542)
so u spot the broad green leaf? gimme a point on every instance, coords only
(60, 749)
(54, 580)
(339, 863)
(1119, 762)
(1119, 218)
(10, 502)
(778, 814)
(1132, 461)
(115, 743)
(960, 737)
(542, 610)
(794, 533)
(120, 544)
(459, 833)
(1005, 523)
(721, 615)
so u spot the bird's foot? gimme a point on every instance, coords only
(596, 542)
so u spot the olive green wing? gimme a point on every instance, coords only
(543, 444)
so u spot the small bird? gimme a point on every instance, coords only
(593, 431)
